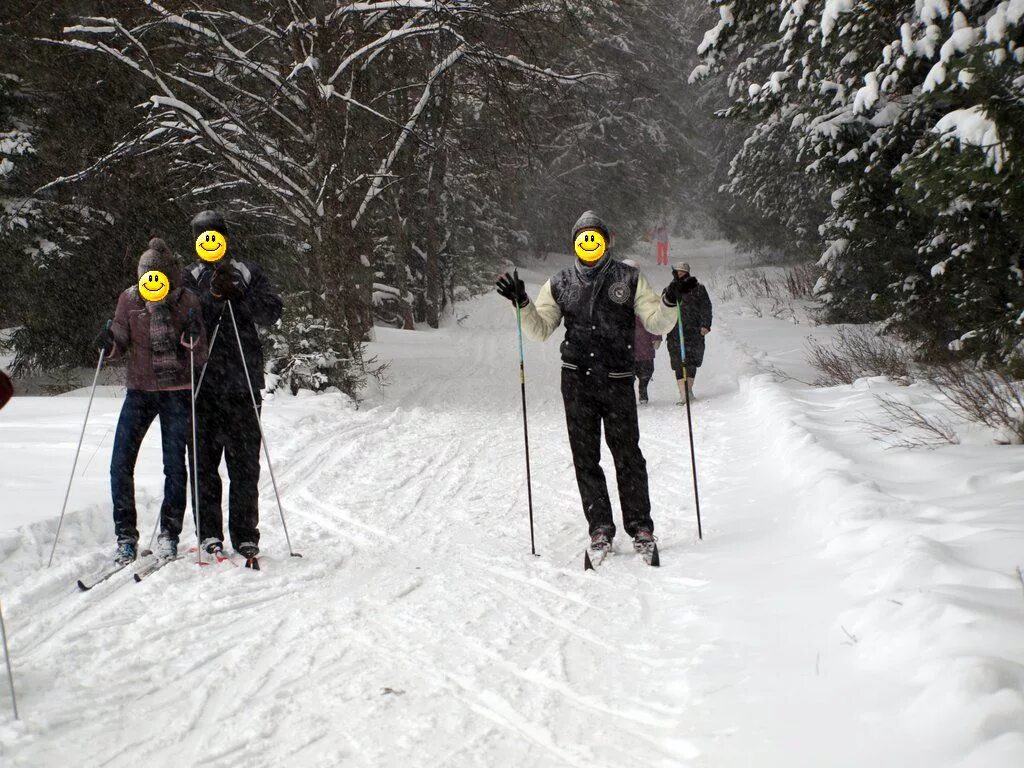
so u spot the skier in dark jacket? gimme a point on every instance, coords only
(697, 315)
(600, 299)
(227, 423)
(154, 329)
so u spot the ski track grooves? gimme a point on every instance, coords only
(417, 629)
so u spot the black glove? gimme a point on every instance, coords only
(224, 285)
(105, 340)
(513, 289)
(678, 288)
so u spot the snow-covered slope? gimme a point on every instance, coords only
(847, 607)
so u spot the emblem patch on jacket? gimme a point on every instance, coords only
(619, 293)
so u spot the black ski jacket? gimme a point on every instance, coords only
(259, 305)
(697, 314)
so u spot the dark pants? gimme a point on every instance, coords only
(589, 402)
(644, 371)
(694, 354)
(228, 428)
(137, 413)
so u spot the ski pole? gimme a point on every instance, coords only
(689, 418)
(526, 431)
(209, 353)
(67, 493)
(263, 437)
(7, 657)
(195, 443)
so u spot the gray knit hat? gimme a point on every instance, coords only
(589, 220)
(159, 256)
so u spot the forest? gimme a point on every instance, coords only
(385, 159)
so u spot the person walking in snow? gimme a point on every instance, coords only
(661, 238)
(695, 305)
(228, 423)
(155, 335)
(645, 345)
(600, 300)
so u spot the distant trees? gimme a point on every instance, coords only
(378, 155)
(887, 139)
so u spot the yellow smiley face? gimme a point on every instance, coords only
(154, 285)
(211, 246)
(590, 245)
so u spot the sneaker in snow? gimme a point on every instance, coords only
(248, 550)
(127, 552)
(166, 547)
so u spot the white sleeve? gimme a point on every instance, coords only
(648, 306)
(541, 317)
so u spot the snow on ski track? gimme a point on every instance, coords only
(417, 629)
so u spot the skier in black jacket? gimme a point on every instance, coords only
(600, 298)
(226, 421)
(697, 315)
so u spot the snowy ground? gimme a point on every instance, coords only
(849, 606)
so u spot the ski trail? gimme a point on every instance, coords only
(417, 630)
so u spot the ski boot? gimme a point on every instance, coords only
(213, 547)
(600, 548)
(644, 545)
(249, 551)
(127, 552)
(166, 547)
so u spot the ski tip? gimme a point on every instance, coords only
(587, 564)
(252, 563)
(82, 586)
(655, 558)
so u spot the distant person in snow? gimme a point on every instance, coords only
(227, 422)
(155, 334)
(6, 389)
(644, 346)
(661, 238)
(600, 300)
(695, 306)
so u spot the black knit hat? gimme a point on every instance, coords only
(207, 220)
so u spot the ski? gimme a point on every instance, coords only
(651, 557)
(218, 556)
(88, 583)
(154, 566)
(590, 564)
(253, 563)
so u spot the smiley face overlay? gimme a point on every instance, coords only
(590, 245)
(211, 245)
(154, 285)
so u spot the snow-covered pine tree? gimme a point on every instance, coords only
(902, 117)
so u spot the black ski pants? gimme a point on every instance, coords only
(590, 401)
(228, 428)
